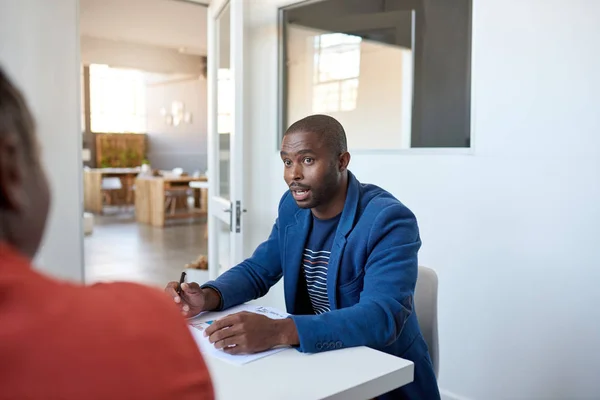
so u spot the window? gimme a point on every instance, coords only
(396, 74)
(336, 72)
(117, 100)
(224, 100)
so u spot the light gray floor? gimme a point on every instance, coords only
(120, 249)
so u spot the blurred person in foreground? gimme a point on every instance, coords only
(64, 341)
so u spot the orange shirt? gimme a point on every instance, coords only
(106, 341)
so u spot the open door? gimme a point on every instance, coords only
(225, 135)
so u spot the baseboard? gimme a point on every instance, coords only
(448, 395)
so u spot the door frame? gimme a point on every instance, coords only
(221, 210)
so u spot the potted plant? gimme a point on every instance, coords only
(146, 166)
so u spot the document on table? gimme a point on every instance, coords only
(198, 324)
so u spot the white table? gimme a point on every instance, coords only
(199, 185)
(354, 373)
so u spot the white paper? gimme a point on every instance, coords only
(199, 323)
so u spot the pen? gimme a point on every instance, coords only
(181, 280)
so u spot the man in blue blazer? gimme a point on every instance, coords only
(348, 255)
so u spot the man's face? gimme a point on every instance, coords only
(311, 169)
(26, 200)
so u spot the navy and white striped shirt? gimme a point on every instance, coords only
(316, 260)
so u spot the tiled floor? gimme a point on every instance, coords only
(121, 249)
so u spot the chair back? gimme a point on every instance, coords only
(111, 183)
(426, 294)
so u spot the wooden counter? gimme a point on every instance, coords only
(92, 186)
(151, 196)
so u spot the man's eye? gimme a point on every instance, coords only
(287, 163)
(308, 160)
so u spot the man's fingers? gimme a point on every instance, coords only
(224, 333)
(190, 288)
(228, 321)
(171, 286)
(219, 324)
(170, 289)
(230, 341)
(236, 350)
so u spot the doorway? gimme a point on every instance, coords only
(145, 140)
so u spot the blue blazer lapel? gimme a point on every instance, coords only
(344, 227)
(293, 249)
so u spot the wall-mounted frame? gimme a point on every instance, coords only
(435, 38)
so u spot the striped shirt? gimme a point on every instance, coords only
(315, 272)
(315, 261)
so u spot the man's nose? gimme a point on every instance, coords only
(296, 172)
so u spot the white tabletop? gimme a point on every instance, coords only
(353, 373)
(199, 185)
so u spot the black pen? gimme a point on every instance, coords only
(181, 280)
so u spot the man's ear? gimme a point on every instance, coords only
(12, 195)
(344, 160)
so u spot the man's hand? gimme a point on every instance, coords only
(246, 333)
(193, 300)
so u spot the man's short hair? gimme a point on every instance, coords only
(15, 116)
(325, 126)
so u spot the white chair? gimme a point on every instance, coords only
(177, 171)
(426, 294)
(110, 184)
(173, 195)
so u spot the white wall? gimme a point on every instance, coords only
(184, 145)
(168, 24)
(39, 47)
(513, 228)
(139, 56)
(381, 118)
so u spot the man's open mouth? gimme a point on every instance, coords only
(300, 194)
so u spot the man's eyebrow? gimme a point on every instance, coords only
(306, 151)
(299, 152)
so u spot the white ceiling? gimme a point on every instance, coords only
(166, 23)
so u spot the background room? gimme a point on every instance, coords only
(144, 117)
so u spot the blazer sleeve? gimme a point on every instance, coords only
(386, 300)
(253, 277)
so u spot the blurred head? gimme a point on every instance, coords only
(24, 193)
(315, 158)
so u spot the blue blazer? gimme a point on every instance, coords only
(371, 280)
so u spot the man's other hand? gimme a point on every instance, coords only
(246, 333)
